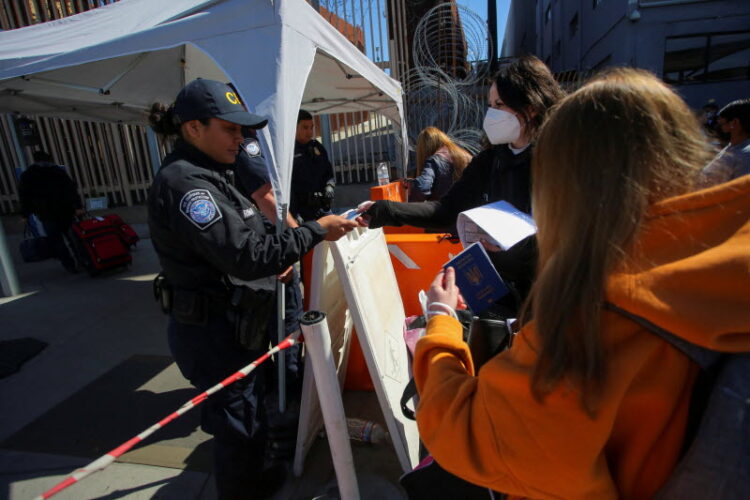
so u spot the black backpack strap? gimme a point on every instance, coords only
(409, 392)
(705, 358)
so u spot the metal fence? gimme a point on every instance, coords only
(358, 141)
(437, 49)
(20, 13)
(113, 160)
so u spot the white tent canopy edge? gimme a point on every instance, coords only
(271, 51)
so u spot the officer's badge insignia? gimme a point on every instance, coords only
(252, 148)
(200, 208)
(247, 213)
(317, 151)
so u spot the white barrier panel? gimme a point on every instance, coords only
(366, 274)
(317, 341)
(327, 296)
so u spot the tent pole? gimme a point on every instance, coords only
(153, 149)
(8, 276)
(280, 313)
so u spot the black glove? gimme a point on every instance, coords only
(328, 192)
(379, 214)
(394, 213)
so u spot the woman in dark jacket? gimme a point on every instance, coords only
(520, 96)
(440, 162)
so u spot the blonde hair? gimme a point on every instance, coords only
(431, 139)
(620, 143)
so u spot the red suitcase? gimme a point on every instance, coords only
(112, 222)
(100, 246)
(127, 234)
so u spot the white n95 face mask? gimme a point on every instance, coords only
(501, 126)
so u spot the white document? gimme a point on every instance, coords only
(499, 223)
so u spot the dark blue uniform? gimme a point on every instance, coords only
(250, 174)
(250, 171)
(208, 235)
(312, 173)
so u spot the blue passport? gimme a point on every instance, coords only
(476, 277)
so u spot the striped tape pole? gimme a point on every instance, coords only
(105, 460)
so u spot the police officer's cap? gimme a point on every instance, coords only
(203, 98)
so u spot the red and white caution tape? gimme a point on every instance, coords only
(105, 460)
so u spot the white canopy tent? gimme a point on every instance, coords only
(112, 63)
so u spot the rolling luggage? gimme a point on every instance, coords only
(127, 234)
(100, 246)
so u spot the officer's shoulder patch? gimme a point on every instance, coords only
(252, 148)
(200, 208)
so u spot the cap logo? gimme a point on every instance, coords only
(232, 97)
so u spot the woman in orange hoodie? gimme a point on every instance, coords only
(587, 403)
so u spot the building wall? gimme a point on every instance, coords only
(581, 36)
(520, 33)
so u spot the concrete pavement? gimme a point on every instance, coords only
(106, 375)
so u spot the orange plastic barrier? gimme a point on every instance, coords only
(416, 256)
(416, 259)
(394, 191)
(357, 374)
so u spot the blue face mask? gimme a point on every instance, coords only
(501, 126)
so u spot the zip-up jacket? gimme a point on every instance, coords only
(494, 174)
(203, 229)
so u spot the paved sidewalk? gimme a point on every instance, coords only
(91, 325)
(106, 375)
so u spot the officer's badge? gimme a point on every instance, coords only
(200, 208)
(316, 151)
(252, 148)
(247, 213)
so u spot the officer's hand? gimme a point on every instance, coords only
(79, 212)
(336, 226)
(286, 276)
(329, 192)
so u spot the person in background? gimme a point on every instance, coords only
(708, 120)
(588, 403)
(220, 263)
(313, 181)
(440, 163)
(47, 191)
(734, 160)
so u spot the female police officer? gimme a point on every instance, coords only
(214, 248)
